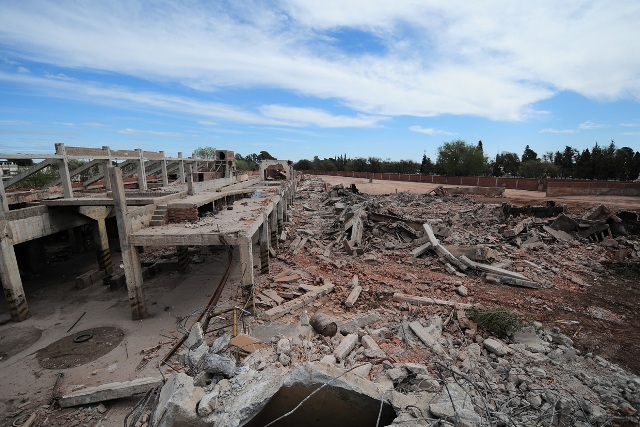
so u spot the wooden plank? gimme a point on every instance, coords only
(109, 391)
(414, 299)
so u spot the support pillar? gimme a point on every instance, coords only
(4, 204)
(63, 169)
(273, 227)
(100, 235)
(183, 258)
(190, 181)
(105, 166)
(163, 167)
(142, 173)
(264, 245)
(10, 276)
(245, 245)
(130, 255)
(281, 210)
(181, 168)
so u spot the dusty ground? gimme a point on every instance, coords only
(601, 317)
(33, 352)
(605, 312)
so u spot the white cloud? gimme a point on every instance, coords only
(15, 123)
(149, 132)
(549, 130)
(207, 123)
(590, 125)
(315, 117)
(630, 125)
(492, 59)
(59, 76)
(23, 70)
(94, 124)
(429, 131)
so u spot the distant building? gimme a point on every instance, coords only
(8, 168)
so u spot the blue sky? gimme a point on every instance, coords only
(299, 78)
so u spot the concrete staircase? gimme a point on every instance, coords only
(159, 217)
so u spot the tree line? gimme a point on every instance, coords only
(459, 158)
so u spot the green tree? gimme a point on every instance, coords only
(529, 154)
(303, 165)
(205, 152)
(457, 158)
(426, 166)
(506, 163)
(264, 155)
(327, 165)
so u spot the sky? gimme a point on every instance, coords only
(299, 78)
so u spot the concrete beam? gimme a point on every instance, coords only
(109, 391)
(130, 255)
(140, 168)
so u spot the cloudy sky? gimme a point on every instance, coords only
(298, 78)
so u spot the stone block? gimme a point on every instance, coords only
(345, 347)
(178, 403)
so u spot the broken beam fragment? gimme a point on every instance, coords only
(420, 250)
(413, 299)
(109, 391)
(441, 250)
(301, 301)
(512, 281)
(353, 296)
(491, 269)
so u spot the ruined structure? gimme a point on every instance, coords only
(167, 191)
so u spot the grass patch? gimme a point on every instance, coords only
(499, 321)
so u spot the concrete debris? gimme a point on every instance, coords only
(108, 391)
(406, 334)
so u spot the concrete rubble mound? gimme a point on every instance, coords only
(408, 339)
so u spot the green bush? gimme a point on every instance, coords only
(499, 321)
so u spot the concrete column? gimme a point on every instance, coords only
(273, 227)
(130, 256)
(103, 252)
(285, 205)
(105, 166)
(246, 261)
(264, 245)
(63, 168)
(281, 209)
(246, 269)
(10, 276)
(183, 258)
(142, 173)
(4, 204)
(190, 180)
(100, 236)
(163, 167)
(181, 168)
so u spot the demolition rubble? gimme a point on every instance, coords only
(376, 298)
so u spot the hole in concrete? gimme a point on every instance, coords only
(331, 406)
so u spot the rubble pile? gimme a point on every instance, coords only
(379, 294)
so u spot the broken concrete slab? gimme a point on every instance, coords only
(178, 402)
(345, 347)
(109, 391)
(353, 296)
(496, 347)
(428, 337)
(413, 299)
(455, 405)
(301, 301)
(559, 234)
(372, 349)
